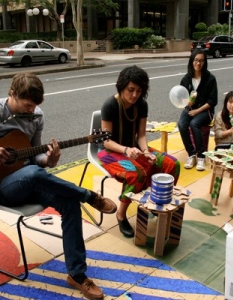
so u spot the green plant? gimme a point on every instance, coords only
(154, 41)
(218, 28)
(214, 29)
(126, 37)
(201, 26)
(10, 36)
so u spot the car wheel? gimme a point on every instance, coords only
(217, 53)
(62, 58)
(26, 61)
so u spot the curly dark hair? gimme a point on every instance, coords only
(27, 86)
(191, 59)
(225, 112)
(135, 75)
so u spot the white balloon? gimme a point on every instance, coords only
(179, 96)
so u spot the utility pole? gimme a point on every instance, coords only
(62, 20)
(229, 22)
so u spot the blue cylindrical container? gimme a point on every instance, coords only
(161, 188)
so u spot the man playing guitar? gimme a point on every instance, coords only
(24, 179)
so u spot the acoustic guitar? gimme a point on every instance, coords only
(16, 139)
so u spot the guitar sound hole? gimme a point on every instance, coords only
(13, 157)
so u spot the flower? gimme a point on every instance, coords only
(231, 119)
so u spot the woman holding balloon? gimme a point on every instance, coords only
(199, 112)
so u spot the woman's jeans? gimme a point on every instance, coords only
(195, 124)
(33, 184)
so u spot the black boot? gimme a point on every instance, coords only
(125, 227)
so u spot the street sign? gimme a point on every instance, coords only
(62, 18)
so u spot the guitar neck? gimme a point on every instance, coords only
(33, 151)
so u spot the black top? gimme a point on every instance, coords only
(207, 91)
(110, 113)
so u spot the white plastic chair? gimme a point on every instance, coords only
(23, 211)
(92, 150)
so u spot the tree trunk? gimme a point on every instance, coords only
(80, 57)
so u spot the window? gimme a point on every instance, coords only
(31, 45)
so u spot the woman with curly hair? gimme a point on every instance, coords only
(223, 122)
(127, 156)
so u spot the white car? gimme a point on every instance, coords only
(26, 52)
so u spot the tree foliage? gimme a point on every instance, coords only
(105, 6)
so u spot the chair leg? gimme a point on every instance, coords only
(21, 221)
(40, 230)
(102, 185)
(97, 223)
(25, 275)
(101, 214)
(91, 216)
(84, 172)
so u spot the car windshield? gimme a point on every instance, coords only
(206, 38)
(16, 45)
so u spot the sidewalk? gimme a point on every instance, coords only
(116, 56)
(91, 60)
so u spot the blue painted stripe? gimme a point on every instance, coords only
(176, 285)
(137, 278)
(3, 298)
(171, 285)
(104, 256)
(41, 294)
(135, 296)
(48, 280)
(62, 283)
(146, 262)
(115, 275)
(98, 272)
(34, 293)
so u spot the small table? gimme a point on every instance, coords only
(222, 165)
(164, 128)
(170, 218)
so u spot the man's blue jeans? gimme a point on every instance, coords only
(195, 124)
(33, 184)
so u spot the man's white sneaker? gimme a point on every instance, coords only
(191, 162)
(200, 164)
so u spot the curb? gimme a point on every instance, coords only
(46, 70)
(90, 62)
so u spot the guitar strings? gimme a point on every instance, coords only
(31, 117)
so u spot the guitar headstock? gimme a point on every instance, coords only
(99, 136)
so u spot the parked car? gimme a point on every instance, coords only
(26, 52)
(216, 46)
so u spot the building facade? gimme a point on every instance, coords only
(173, 19)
